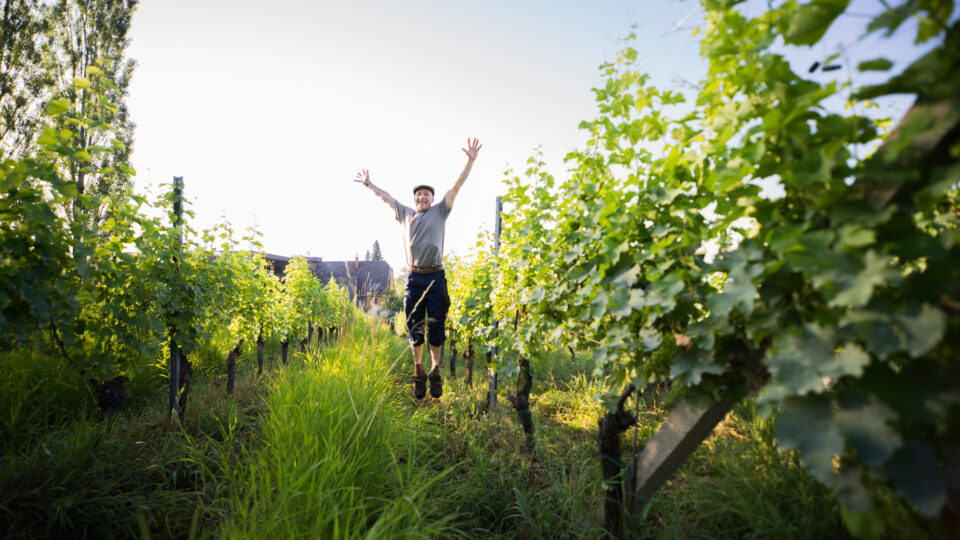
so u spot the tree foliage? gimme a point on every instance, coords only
(24, 83)
(85, 57)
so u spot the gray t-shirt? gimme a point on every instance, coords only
(423, 233)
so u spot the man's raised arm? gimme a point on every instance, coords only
(473, 147)
(363, 177)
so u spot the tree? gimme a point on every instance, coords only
(24, 84)
(85, 58)
(377, 255)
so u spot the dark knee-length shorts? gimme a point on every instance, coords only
(425, 302)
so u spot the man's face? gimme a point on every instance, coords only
(423, 199)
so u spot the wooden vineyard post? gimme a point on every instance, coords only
(174, 372)
(453, 358)
(681, 434)
(174, 349)
(496, 253)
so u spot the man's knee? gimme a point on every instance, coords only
(437, 332)
(415, 330)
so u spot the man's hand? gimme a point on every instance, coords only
(363, 177)
(472, 149)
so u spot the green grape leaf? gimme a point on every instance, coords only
(650, 338)
(927, 29)
(876, 271)
(853, 495)
(866, 424)
(924, 327)
(537, 294)
(784, 239)
(84, 269)
(638, 299)
(582, 270)
(877, 64)
(855, 236)
(600, 358)
(598, 306)
(812, 20)
(806, 425)
(738, 292)
(799, 361)
(863, 525)
(573, 253)
(874, 329)
(627, 276)
(664, 303)
(817, 241)
(917, 477)
(689, 369)
(851, 361)
(619, 302)
(891, 19)
(668, 286)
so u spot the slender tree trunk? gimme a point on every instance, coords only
(468, 363)
(573, 357)
(232, 365)
(309, 331)
(4, 35)
(283, 350)
(321, 336)
(611, 425)
(260, 353)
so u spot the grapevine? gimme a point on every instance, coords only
(826, 302)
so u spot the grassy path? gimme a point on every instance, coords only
(347, 452)
(340, 454)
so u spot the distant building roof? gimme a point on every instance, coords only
(361, 278)
(279, 262)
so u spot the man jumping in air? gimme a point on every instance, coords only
(426, 288)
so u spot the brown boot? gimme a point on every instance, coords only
(436, 383)
(419, 383)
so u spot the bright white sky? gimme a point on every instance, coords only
(268, 109)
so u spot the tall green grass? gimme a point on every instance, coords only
(497, 489)
(64, 474)
(38, 391)
(341, 455)
(735, 485)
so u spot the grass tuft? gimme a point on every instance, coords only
(341, 456)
